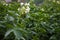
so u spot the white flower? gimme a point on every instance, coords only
(6, 4)
(23, 10)
(21, 3)
(27, 4)
(23, 7)
(58, 2)
(18, 9)
(27, 9)
(42, 9)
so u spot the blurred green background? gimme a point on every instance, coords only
(32, 20)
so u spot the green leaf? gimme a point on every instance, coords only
(17, 34)
(8, 32)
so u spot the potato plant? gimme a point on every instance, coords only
(27, 21)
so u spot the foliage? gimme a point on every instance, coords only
(19, 21)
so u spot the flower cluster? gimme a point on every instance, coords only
(24, 8)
